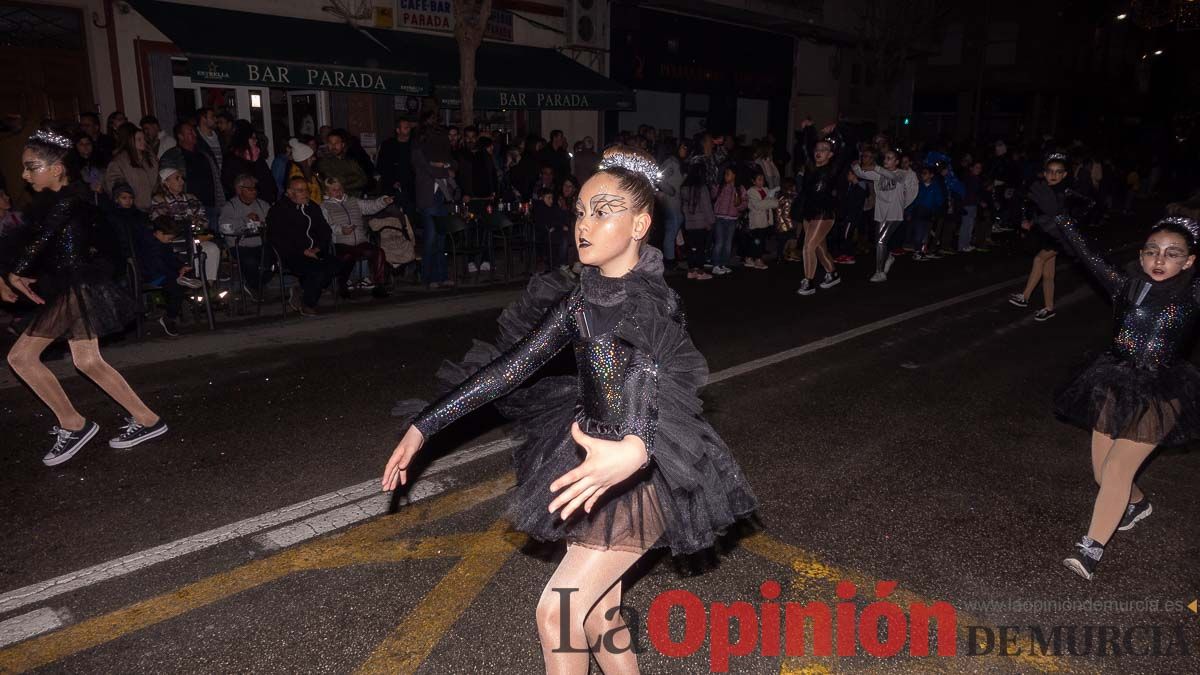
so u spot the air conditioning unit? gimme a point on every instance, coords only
(587, 23)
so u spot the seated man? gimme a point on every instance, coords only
(241, 220)
(297, 229)
(344, 214)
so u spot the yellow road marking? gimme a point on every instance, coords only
(808, 569)
(410, 644)
(347, 548)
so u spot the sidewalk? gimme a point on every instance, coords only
(248, 335)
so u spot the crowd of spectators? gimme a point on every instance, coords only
(182, 201)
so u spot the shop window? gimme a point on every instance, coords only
(219, 99)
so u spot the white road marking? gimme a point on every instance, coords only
(376, 505)
(368, 490)
(95, 574)
(31, 624)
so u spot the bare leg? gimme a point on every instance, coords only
(809, 251)
(1035, 275)
(1102, 444)
(1048, 280)
(587, 577)
(86, 355)
(25, 357)
(1116, 484)
(820, 235)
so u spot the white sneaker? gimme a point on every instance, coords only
(887, 265)
(878, 277)
(485, 266)
(472, 268)
(720, 270)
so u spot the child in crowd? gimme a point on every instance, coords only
(786, 226)
(729, 200)
(762, 204)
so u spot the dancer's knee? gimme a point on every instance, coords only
(20, 362)
(550, 619)
(88, 361)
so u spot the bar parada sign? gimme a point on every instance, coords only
(488, 98)
(307, 76)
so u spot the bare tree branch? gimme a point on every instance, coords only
(470, 21)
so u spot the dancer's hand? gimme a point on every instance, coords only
(607, 463)
(23, 286)
(396, 470)
(7, 294)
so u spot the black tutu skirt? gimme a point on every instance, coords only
(1112, 396)
(693, 490)
(87, 305)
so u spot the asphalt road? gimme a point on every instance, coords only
(920, 451)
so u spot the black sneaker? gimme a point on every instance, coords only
(1044, 314)
(1085, 558)
(1135, 513)
(831, 279)
(68, 443)
(133, 433)
(1018, 300)
(806, 288)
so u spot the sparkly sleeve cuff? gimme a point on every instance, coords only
(642, 393)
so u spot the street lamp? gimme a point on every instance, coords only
(1122, 17)
(1158, 52)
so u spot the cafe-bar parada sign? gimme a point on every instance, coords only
(438, 15)
(307, 76)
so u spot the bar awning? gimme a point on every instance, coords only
(243, 48)
(510, 76)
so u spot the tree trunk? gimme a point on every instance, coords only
(470, 20)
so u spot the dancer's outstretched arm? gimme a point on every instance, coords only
(1065, 229)
(491, 382)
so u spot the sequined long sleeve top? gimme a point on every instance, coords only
(617, 383)
(61, 237)
(1153, 321)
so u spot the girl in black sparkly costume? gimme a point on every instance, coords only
(76, 299)
(617, 460)
(1142, 392)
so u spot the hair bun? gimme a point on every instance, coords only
(631, 159)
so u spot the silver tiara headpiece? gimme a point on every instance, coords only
(1055, 157)
(1184, 222)
(47, 136)
(635, 163)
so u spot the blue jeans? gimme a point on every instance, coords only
(433, 244)
(723, 230)
(920, 232)
(672, 219)
(968, 227)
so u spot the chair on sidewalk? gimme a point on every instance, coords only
(461, 241)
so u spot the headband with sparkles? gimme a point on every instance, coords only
(635, 163)
(1184, 222)
(1055, 157)
(47, 136)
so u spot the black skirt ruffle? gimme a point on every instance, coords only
(87, 305)
(1116, 398)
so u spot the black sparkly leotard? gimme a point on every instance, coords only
(1142, 388)
(82, 301)
(638, 375)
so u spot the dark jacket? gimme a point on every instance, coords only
(234, 166)
(63, 226)
(294, 228)
(199, 173)
(395, 166)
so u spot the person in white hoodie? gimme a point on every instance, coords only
(763, 202)
(895, 189)
(344, 213)
(673, 170)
